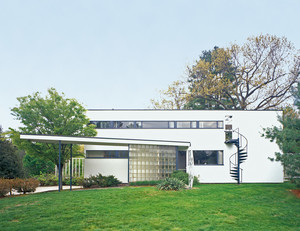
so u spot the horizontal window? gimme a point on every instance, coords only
(208, 157)
(106, 154)
(158, 124)
(155, 124)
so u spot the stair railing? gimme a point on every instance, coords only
(234, 162)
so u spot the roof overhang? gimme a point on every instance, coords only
(100, 140)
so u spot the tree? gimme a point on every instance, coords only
(10, 162)
(172, 98)
(288, 139)
(205, 76)
(52, 115)
(257, 75)
(34, 165)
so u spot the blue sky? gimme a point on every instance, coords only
(118, 54)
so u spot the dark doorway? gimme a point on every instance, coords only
(182, 160)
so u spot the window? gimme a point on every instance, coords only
(126, 125)
(158, 124)
(208, 157)
(155, 124)
(209, 124)
(107, 154)
(171, 124)
(193, 124)
(183, 124)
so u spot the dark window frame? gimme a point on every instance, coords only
(210, 164)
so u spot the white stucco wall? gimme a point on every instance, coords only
(115, 167)
(257, 168)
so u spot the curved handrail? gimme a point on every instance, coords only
(245, 147)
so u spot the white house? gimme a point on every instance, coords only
(140, 145)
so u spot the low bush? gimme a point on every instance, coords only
(100, 181)
(5, 187)
(145, 183)
(184, 177)
(76, 181)
(25, 185)
(47, 179)
(171, 184)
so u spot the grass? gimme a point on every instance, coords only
(208, 207)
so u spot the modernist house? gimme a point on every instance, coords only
(222, 146)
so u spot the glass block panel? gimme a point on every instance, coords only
(151, 162)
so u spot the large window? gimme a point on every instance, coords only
(208, 157)
(158, 124)
(107, 154)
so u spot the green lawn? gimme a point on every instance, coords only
(208, 207)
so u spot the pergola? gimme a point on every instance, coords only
(54, 139)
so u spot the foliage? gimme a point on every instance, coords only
(52, 115)
(5, 186)
(214, 70)
(172, 98)
(10, 162)
(256, 75)
(288, 139)
(47, 179)
(100, 181)
(184, 177)
(35, 165)
(213, 207)
(26, 185)
(76, 181)
(52, 180)
(171, 184)
(145, 183)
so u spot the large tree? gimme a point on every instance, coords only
(10, 162)
(212, 72)
(53, 114)
(256, 75)
(288, 139)
(172, 98)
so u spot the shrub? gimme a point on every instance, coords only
(26, 185)
(171, 184)
(76, 181)
(100, 181)
(184, 177)
(4, 187)
(145, 183)
(47, 179)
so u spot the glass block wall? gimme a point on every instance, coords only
(151, 162)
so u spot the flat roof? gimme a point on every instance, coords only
(100, 140)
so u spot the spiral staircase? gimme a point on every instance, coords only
(236, 159)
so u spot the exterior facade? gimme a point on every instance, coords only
(188, 140)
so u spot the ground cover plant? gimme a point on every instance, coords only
(207, 207)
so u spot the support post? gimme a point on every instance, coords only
(71, 169)
(238, 160)
(176, 158)
(128, 161)
(59, 165)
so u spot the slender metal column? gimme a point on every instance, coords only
(177, 158)
(128, 161)
(71, 169)
(59, 165)
(238, 160)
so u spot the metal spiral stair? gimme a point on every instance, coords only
(236, 159)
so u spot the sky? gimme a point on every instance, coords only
(120, 53)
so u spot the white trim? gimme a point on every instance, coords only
(100, 140)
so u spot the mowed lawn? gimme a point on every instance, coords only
(207, 207)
